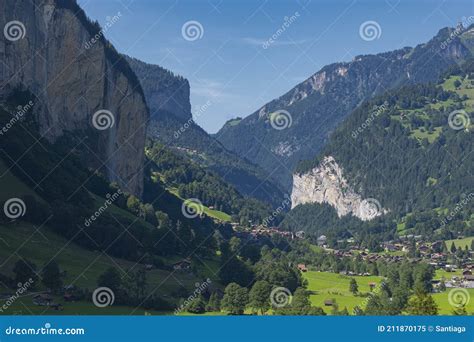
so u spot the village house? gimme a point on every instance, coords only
(42, 299)
(437, 246)
(300, 234)
(328, 302)
(424, 249)
(390, 247)
(469, 277)
(182, 265)
(322, 240)
(302, 267)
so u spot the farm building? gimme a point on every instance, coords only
(302, 267)
(182, 265)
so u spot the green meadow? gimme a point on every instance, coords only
(326, 285)
(82, 268)
(445, 308)
(460, 243)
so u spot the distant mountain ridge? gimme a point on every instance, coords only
(321, 102)
(171, 124)
(408, 153)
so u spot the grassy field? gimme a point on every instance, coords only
(220, 215)
(444, 308)
(216, 214)
(446, 275)
(466, 88)
(11, 185)
(460, 243)
(326, 285)
(316, 248)
(424, 134)
(83, 267)
(442, 298)
(24, 306)
(334, 286)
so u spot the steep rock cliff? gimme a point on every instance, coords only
(73, 76)
(326, 184)
(164, 91)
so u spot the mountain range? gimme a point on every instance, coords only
(144, 102)
(315, 107)
(104, 170)
(400, 163)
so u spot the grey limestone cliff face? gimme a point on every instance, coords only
(73, 77)
(326, 184)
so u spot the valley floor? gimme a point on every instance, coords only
(81, 268)
(332, 286)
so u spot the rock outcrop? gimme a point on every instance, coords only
(326, 184)
(64, 60)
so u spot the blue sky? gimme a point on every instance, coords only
(228, 66)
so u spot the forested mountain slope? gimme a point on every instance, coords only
(309, 112)
(172, 125)
(408, 153)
